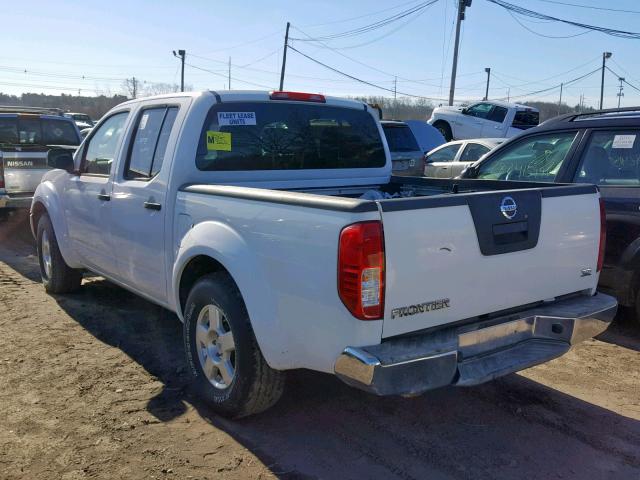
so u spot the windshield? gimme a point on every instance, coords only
(288, 136)
(400, 138)
(37, 131)
(537, 159)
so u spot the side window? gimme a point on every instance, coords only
(163, 140)
(480, 110)
(497, 114)
(537, 158)
(472, 152)
(149, 142)
(100, 152)
(611, 158)
(445, 154)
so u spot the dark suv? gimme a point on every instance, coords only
(600, 147)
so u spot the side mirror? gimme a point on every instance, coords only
(464, 111)
(61, 158)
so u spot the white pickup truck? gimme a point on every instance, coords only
(271, 225)
(488, 119)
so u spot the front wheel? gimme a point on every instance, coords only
(57, 276)
(225, 362)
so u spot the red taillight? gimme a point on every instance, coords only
(603, 235)
(361, 270)
(298, 96)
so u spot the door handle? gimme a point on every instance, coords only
(152, 205)
(104, 197)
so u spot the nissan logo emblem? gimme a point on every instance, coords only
(508, 207)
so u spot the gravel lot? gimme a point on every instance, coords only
(93, 385)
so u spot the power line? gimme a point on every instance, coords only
(226, 77)
(391, 75)
(360, 80)
(391, 32)
(538, 82)
(622, 79)
(555, 87)
(243, 44)
(372, 26)
(542, 34)
(541, 16)
(591, 7)
(345, 20)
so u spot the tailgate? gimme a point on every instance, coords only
(23, 169)
(455, 257)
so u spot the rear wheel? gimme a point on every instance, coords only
(636, 309)
(225, 362)
(444, 129)
(57, 276)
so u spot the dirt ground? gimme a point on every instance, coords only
(93, 385)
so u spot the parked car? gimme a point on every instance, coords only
(85, 131)
(406, 155)
(82, 120)
(427, 136)
(243, 213)
(26, 135)
(602, 148)
(488, 119)
(450, 159)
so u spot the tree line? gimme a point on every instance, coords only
(402, 108)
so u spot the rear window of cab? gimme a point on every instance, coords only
(288, 136)
(35, 130)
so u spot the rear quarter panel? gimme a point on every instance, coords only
(284, 261)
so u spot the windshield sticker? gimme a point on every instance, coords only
(143, 121)
(623, 141)
(236, 118)
(218, 141)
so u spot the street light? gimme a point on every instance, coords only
(605, 55)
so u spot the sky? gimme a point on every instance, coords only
(90, 47)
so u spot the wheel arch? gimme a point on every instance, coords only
(46, 200)
(214, 247)
(447, 125)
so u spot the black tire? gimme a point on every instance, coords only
(636, 310)
(61, 278)
(254, 386)
(444, 129)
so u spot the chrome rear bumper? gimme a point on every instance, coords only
(475, 353)
(7, 201)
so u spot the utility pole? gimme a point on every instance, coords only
(488, 70)
(605, 55)
(395, 88)
(462, 5)
(181, 54)
(134, 87)
(284, 56)
(620, 93)
(229, 73)
(560, 101)
(508, 94)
